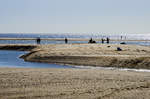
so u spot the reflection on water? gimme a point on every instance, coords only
(11, 59)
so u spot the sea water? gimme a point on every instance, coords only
(67, 35)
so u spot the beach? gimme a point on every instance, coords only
(94, 83)
(75, 49)
(29, 83)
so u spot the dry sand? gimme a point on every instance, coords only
(30, 83)
(105, 55)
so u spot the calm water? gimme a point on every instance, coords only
(146, 43)
(11, 59)
(141, 36)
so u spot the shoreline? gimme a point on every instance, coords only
(18, 47)
(131, 63)
(70, 39)
(97, 55)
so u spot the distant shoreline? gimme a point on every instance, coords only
(70, 39)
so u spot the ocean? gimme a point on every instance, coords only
(145, 37)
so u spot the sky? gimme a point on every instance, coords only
(74, 16)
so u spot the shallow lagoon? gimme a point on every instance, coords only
(11, 59)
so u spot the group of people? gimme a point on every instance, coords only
(103, 40)
(107, 40)
(38, 40)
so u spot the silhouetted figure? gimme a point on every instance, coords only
(107, 39)
(102, 40)
(66, 40)
(38, 40)
(91, 41)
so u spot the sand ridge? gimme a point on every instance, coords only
(106, 55)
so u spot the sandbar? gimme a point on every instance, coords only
(99, 55)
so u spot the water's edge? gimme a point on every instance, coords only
(106, 68)
(12, 59)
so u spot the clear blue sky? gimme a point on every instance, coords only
(82, 16)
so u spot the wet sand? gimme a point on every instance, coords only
(29, 83)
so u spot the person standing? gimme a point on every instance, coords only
(66, 40)
(102, 41)
(91, 40)
(38, 40)
(121, 37)
(107, 39)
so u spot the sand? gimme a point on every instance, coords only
(101, 55)
(32, 83)
(29, 83)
